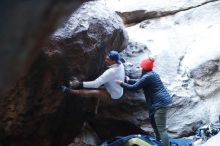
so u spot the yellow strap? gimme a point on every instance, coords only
(137, 141)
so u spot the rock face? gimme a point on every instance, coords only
(214, 141)
(84, 40)
(133, 12)
(186, 53)
(24, 26)
(34, 112)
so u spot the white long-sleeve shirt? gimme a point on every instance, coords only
(114, 72)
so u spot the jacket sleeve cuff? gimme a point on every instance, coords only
(80, 84)
(121, 84)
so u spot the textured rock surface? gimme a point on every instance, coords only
(151, 5)
(133, 12)
(86, 137)
(34, 112)
(132, 56)
(185, 47)
(24, 26)
(186, 58)
(214, 141)
(84, 39)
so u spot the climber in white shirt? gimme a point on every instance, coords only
(111, 90)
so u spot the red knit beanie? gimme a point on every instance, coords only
(147, 64)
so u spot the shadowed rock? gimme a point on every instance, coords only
(34, 112)
(107, 128)
(24, 26)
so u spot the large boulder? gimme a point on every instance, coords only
(24, 26)
(34, 112)
(81, 43)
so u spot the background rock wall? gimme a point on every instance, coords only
(185, 46)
